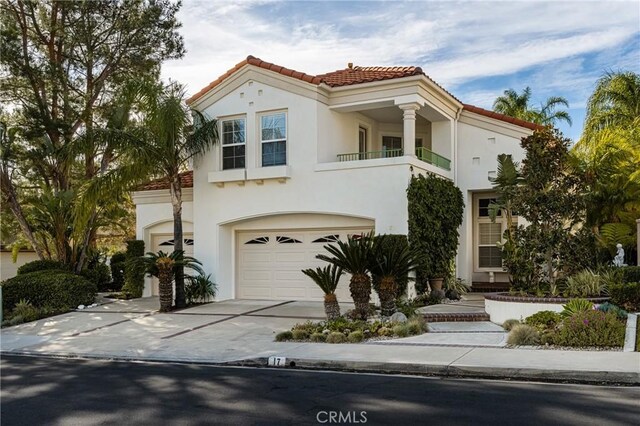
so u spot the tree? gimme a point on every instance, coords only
(327, 279)
(615, 102)
(550, 197)
(354, 258)
(518, 105)
(164, 266)
(63, 65)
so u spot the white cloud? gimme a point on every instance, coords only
(454, 42)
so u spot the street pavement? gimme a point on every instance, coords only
(243, 331)
(45, 391)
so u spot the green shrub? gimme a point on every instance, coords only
(610, 307)
(298, 334)
(99, 275)
(26, 311)
(590, 328)
(56, 290)
(407, 307)
(523, 335)
(401, 330)
(318, 337)
(117, 270)
(574, 306)
(134, 269)
(543, 320)
(584, 284)
(510, 323)
(417, 325)
(355, 336)
(626, 295)
(385, 331)
(42, 265)
(200, 288)
(284, 336)
(630, 274)
(336, 337)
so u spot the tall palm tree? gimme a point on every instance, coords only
(615, 101)
(389, 265)
(518, 106)
(354, 257)
(327, 279)
(173, 136)
(164, 267)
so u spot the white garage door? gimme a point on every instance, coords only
(270, 262)
(164, 242)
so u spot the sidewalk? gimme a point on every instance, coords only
(242, 333)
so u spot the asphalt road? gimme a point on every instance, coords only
(44, 391)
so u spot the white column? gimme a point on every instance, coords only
(409, 123)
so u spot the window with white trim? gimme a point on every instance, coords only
(233, 144)
(488, 235)
(273, 138)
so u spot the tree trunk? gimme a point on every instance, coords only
(165, 287)
(387, 292)
(331, 306)
(178, 238)
(360, 288)
(16, 209)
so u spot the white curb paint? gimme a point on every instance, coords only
(630, 334)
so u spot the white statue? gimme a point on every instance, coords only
(618, 260)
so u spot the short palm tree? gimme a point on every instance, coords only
(388, 268)
(354, 257)
(327, 279)
(163, 266)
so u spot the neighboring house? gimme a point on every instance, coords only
(306, 160)
(9, 268)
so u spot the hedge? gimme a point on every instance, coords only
(133, 273)
(626, 295)
(99, 275)
(631, 274)
(55, 290)
(117, 270)
(42, 265)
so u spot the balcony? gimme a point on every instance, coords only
(423, 154)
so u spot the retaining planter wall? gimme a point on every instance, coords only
(502, 306)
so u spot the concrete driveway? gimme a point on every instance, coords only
(216, 332)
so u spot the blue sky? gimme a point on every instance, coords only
(475, 49)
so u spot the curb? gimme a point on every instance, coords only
(415, 369)
(448, 371)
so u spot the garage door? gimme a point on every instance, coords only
(164, 242)
(269, 263)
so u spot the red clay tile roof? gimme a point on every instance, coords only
(502, 117)
(357, 75)
(186, 179)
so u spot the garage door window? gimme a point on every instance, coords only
(327, 239)
(287, 240)
(258, 240)
(187, 242)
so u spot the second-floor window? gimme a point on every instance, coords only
(233, 144)
(273, 138)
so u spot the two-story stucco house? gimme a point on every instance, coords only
(305, 160)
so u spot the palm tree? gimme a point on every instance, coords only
(388, 267)
(327, 279)
(614, 102)
(175, 136)
(164, 266)
(517, 105)
(354, 257)
(505, 184)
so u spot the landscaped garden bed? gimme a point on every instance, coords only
(343, 330)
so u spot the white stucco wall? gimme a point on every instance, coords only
(480, 141)
(500, 311)
(8, 269)
(313, 190)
